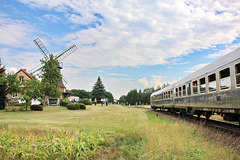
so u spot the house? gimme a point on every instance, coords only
(24, 75)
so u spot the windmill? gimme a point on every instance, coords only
(59, 57)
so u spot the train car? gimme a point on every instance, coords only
(214, 88)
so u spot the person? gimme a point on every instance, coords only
(95, 100)
(106, 102)
(102, 101)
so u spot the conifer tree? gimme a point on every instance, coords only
(98, 90)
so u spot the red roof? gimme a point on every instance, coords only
(25, 72)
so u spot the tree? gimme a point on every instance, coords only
(3, 88)
(31, 90)
(51, 78)
(98, 91)
(123, 99)
(80, 93)
(132, 97)
(109, 96)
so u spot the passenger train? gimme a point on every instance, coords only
(213, 89)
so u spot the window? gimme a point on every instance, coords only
(225, 81)
(184, 90)
(169, 94)
(195, 87)
(176, 92)
(14, 95)
(202, 85)
(21, 78)
(237, 72)
(180, 91)
(212, 82)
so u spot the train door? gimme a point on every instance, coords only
(189, 93)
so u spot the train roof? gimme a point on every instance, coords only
(224, 60)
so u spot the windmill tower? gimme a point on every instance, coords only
(59, 57)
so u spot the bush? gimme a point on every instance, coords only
(71, 106)
(82, 106)
(76, 106)
(85, 101)
(36, 107)
(64, 102)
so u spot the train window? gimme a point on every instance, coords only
(237, 72)
(195, 87)
(169, 94)
(180, 91)
(202, 85)
(184, 90)
(176, 92)
(225, 81)
(166, 95)
(212, 82)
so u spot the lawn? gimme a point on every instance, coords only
(125, 133)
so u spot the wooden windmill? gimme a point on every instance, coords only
(59, 57)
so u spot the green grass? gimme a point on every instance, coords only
(128, 133)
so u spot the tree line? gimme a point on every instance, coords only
(97, 92)
(139, 97)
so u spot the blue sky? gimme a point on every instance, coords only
(129, 44)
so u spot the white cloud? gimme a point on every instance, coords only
(223, 52)
(52, 18)
(117, 74)
(15, 33)
(143, 81)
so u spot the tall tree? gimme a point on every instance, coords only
(31, 90)
(3, 88)
(51, 78)
(98, 91)
(132, 97)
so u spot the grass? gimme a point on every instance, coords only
(127, 133)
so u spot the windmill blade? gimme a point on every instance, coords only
(64, 80)
(42, 48)
(36, 69)
(66, 52)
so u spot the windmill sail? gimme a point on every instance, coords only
(42, 48)
(66, 52)
(36, 69)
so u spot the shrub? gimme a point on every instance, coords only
(64, 102)
(85, 101)
(82, 106)
(77, 105)
(36, 107)
(71, 106)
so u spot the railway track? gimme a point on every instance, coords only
(217, 125)
(214, 124)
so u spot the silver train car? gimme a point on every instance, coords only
(213, 89)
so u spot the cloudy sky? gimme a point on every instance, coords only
(130, 44)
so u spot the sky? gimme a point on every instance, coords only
(130, 44)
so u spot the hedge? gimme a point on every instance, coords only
(76, 106)
(36, 107)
